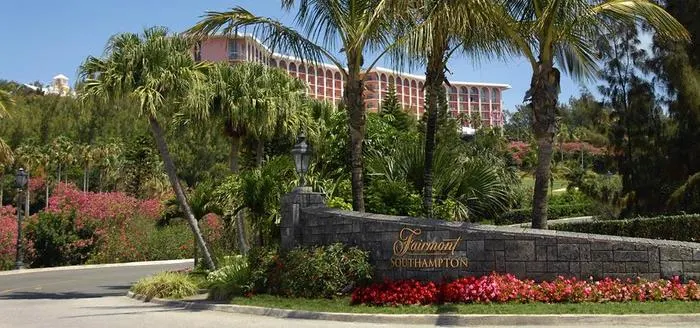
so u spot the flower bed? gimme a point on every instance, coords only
(497, 288)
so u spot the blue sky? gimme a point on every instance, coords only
(42, 38)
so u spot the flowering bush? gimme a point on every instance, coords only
(507, 288)
(8, 236)
(100, 209)
(8, 239)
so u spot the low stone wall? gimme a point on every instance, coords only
(405, 247)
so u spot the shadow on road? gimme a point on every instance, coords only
(19, 295)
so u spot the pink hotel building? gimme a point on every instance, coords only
(326, 83)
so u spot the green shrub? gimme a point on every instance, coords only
(166, 285)
(553, 213)
(323, 271)
(55, 240)
(680, 227)
(392, 198)
(264, 268)
(231, 279)
(140, 239)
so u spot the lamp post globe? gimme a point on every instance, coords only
(302, 155)
(21, 180)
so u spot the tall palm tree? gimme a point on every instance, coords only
(6, 155)
(325, 27)
(254, 102)
(156, 70)
(5, 101)
(437, 30)
(564, 33)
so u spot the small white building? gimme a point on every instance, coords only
(59, 86)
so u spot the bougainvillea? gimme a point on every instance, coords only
(497, 288)
(8, 235)
(100, 209)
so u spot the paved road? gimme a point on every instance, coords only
(94, 298)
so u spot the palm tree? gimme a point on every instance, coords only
(62, 155)
(564, 33)
(439, 29)
(156, 70)
(5, 101)
(359, 25)
(6, 155)
(254, 102)
(86, 156)
(477, 184)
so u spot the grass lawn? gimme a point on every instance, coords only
(559, 184)
(342, 305)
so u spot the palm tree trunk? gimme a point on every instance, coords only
(177, 188)
(85, 179)
(241, 233)
(235, 150)
(259, 153)
(544, 88)
(435, 75)
(356, 127)
(2, 189)
(239, 220)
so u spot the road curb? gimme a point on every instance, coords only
(435, 319)
(95, 266)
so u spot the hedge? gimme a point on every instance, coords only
(553, 213)
(679, 227)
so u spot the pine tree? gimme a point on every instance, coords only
(391, 110)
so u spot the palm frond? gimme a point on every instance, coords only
(272, 32)
(647, 11)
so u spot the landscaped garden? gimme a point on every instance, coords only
(174, 157)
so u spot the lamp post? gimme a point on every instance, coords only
(302, 154)
(20, 181)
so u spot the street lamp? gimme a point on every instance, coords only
(20, 182)
(302, 154)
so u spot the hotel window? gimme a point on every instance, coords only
(484, 95)
(495, 97)
(474, 95)
(233, 50)
(463, 94)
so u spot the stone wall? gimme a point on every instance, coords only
(526, 253)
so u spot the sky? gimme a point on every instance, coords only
(40, 39)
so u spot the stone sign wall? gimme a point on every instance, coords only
(405, 247)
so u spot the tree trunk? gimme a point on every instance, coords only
(259, 153)
(177, 188)
(544, 86)
(2, 189)
(356, 127)
(235, 150)
(239, 220)
(241, 233)
(435, 75)
(85, 173)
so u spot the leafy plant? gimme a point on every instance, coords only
(477, 185)
(166, 285)
(231, 279)
(323, 271)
